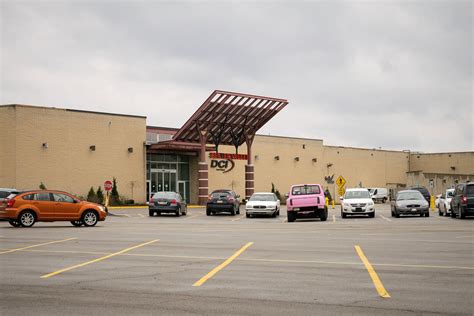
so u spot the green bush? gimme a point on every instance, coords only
(91, 196)
(100, 195)
(42, 186)
(114, 195)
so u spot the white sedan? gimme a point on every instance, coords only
(262, 204)
(357, 201)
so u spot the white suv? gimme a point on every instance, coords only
(357, 201)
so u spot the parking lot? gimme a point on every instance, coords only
(195, 264)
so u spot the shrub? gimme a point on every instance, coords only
(100, 195)
(42, 186)
(114, 195)
(91, 196)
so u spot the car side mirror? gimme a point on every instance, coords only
(341, 198)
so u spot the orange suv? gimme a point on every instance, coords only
(26, 208)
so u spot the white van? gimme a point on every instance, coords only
(379, 194)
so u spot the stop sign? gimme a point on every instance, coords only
(108, 185)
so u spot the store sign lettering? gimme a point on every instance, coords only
(223, 165)
(227, 156)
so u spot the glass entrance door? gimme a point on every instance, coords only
(182, 189)
(163, 180)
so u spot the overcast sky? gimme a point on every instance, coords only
(396, 75)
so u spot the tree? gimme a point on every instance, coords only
(91, 196)
(100, 195)
(277, 193)
(42, 186)
(114, 195)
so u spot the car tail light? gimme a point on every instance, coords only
(173, 202)
(463, 199)
(318, 200)
(230, 199)
(151, 201)
(291, 202)
(10, 202)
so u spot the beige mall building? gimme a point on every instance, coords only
(72, 150)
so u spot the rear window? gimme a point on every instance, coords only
(220, 194)
(164, 195)
(357, 195)
(4, 194)
(423, 191)
(470, 190)
(263, 197)
(305, 189)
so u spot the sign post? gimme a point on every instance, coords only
(108, 188)
(340, 183)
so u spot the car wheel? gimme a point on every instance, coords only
(208, 212)
(27, 219)
(14, 223)
(291, 217)
(384, 200)
(185, 211)
(427, 214)
(372, 215)
(461, 213)
(151, 213)
(278, 213)
(89, 218)
(439, 212)
(343, 215)
(453, 213)
(323, 215)
(238, 210)
(247, 215)
(397, 215)
(233, 212)
(178, 212)
(76, 223)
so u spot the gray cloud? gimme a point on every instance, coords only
(396, 74)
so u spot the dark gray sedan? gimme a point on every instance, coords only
(410, 202)
(167, 202)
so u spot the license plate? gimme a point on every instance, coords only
(413, 209)
(296, 209)
(358, 209)
(162, 203)
(219, 201)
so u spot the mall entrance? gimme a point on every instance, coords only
(168, 172)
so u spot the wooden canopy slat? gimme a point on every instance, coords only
(229, 113)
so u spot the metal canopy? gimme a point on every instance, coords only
(229, 118)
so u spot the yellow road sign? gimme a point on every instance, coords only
(341, 191)
(340, 181)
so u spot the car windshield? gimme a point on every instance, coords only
(305, 189)
(423, 191)
(357, 195)
(262, 197)
(409, 196)
(164, 195)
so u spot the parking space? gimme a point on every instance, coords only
(236, 265)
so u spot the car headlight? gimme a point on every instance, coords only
(347, 205)
(370, 204)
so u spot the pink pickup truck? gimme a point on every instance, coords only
(306, 199)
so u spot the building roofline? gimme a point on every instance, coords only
(368, 149)
(443, 153)
(162, 128)
(70, 110)
(290, 137)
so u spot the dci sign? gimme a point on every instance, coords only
(224, 165)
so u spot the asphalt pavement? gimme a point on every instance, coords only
(233, 265)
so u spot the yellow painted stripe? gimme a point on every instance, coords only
(222, 265)
(375, 278)
(96, 260)
(37, 245)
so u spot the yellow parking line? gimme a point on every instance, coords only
(96, 260)
(222, 265)
(375, 278)
(37, 245)
(193, 216)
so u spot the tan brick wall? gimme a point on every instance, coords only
(7, 147)
(442, 163)
(68, 164)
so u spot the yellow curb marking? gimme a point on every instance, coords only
(222, 265)
(37, 245)
(96, 260)
(375, 278)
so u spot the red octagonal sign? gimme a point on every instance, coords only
(108, 185)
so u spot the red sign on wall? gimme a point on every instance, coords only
(227, 156)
